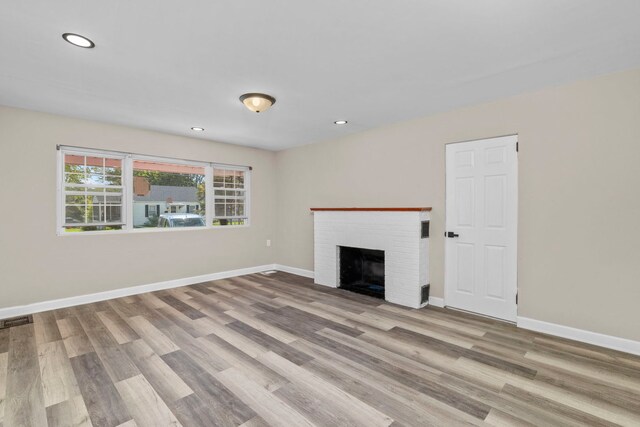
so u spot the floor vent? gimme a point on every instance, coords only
(268, 272)
(15, 321)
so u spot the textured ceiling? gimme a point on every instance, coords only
(168, 65)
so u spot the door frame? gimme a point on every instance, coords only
(517, 224)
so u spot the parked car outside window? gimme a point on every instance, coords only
(180, 220)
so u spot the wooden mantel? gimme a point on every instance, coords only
(423, 209)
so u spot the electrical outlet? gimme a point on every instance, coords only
(268, 242)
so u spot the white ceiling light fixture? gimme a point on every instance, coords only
(340, 122)
(257, 102)
(197, 129)
(78, 40)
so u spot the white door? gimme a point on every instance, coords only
(481, 226)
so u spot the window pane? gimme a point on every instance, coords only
(111, 169)
(113, 213)
(94, 165)
(74, 178)
(75, 200)
(112, 180)
(100, 212)
(86, 202)
(229, 188)
(74, 214)
(113, 200)
(179, 190)
(92, 170)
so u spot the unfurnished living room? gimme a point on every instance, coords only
(319, 213)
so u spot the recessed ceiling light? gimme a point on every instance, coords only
(78, 40)
(197, 129)
(341, 122)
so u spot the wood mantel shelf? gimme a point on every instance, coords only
(423, 209)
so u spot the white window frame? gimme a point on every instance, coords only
(61, 185)
(127, 191)
(247, 186)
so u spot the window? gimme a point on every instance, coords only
(152, 211)
(172, 186)
(105, 191)
(229, 187)
(93, 193)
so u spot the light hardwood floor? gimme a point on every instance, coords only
(278, 350)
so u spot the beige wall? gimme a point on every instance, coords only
(579, 256)
(579, 196)
(37, 265)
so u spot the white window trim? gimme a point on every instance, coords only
(127, 191)
(247, 198)
(60, 222)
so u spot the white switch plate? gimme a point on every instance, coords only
(268, 243)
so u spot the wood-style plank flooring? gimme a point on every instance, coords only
(277, 350)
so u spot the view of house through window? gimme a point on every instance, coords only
(168, 195)
(103, 191)
(92, 188)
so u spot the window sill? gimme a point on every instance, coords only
(149, 230)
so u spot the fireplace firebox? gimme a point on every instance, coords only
(362, 271)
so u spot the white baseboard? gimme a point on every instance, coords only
(436, 302)
(607, 341)
(294, 270)
(118, 293)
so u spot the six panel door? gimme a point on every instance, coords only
(481, 220)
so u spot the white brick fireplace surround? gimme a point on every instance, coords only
(396, 231)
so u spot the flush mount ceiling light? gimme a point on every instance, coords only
(257, 102)
(340, 122)
(78, 40)
(197, 129)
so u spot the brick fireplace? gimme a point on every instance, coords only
(395, 240)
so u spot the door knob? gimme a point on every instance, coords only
(450, 234)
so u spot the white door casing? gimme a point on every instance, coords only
(482, 209)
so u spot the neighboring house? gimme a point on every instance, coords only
(164, 199)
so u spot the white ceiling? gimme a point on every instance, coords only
(168, 65)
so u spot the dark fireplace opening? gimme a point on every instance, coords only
(362, 271)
